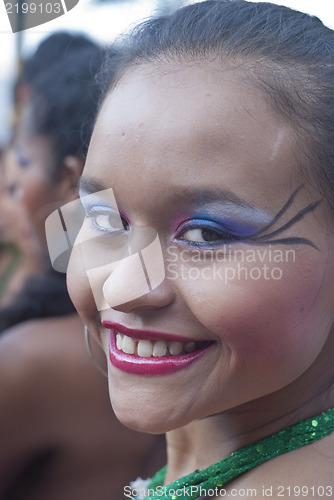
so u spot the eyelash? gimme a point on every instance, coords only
(94, 212)
(256, 237)
(224, 234)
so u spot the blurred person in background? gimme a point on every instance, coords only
(9, 253)
(20, 247)
(59, 436)
(18, 257)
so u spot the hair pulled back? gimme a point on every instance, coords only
(287, 54)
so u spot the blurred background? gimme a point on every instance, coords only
(103, 20)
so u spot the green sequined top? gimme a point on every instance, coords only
(218, 475)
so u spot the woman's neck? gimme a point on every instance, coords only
(206, 441)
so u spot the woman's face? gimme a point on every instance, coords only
(4, 229)
(195, 155)
(28, 176)
(16, 225)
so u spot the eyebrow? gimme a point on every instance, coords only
(190, 194)
(88, 185)
(194, 194)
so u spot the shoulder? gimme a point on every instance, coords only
(33, 340)
(50, 393)
(44, 369)
(36, 359)
(25, 390)
(45, 360)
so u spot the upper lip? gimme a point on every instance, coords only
(146, 334)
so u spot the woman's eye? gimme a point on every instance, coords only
(22, 159)
(108, 221)
(205, 235)
(12, 190)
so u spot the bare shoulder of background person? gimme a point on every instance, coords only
(59, 436)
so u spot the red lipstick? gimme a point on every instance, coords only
(144, 334)
(132, 363)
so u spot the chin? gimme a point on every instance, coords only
(141, 417)
(140, 423)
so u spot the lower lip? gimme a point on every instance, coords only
(150, 366)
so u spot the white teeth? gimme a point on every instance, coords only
(119, 338)
(190, 347)
(160, 349)
(175, 348)
(144, 349)
(155, 348)
(128, 345)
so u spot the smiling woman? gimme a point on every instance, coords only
(59, 436)
(217, 136)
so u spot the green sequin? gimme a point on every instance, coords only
(245, 459)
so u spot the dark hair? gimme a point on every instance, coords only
(64, 93)
(287, 54)
(50, 51)
(41, 297)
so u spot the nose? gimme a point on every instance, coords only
(139, 281)
(161, 296)
(135, 281)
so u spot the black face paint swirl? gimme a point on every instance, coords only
(259, 238)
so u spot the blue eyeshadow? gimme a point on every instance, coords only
(231, 224)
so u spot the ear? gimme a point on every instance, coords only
(72, 168)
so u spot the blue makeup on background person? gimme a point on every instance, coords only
(22, 159)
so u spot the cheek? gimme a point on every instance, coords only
(81, 296)
(36, 195)
(39, 200)
(264, 317)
